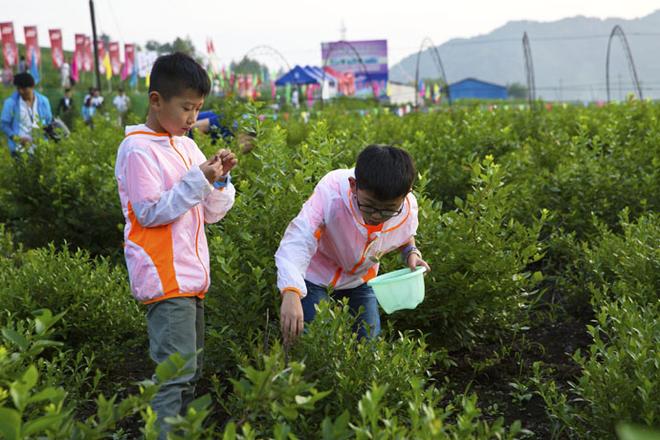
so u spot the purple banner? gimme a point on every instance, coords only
(366, 60)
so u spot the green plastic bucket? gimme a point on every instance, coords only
(400, 289)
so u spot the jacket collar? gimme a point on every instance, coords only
(143, 130)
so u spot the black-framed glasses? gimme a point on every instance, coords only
(382, 213)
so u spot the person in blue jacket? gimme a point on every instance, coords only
(209, 122)
(24, 111)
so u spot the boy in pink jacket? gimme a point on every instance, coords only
(168, 192)
(353, 218)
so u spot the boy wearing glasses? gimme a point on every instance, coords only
(353, 218)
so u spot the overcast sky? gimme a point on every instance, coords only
(296, 28)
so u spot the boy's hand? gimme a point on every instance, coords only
(291, 317)
(246, 142)
(415, 261)
(219, 165)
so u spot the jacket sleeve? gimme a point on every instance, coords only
(413, 222)
(300, 242)
(8, 118)
(219, 201)
(152, 204)
(47, 116)
(414, 215)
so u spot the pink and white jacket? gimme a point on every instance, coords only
(328, 244)
(166, 200)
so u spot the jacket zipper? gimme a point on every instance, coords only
(199, 222)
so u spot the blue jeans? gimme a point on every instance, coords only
(361, 296)
(176, 326)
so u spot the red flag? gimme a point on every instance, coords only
(129, 60)
(9, 49)
(114, 57)
(32, 44)
(100, 49)
(56, 47)
(79, 53)
(75, 70)
(88, 58)
(210, 49)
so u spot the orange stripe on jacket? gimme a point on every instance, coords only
(157, 244)
(371, 274)
(333, 283)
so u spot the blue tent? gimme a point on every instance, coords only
(472, 88)
(296, 76)
(317, 72)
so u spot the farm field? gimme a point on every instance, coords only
(541, 317)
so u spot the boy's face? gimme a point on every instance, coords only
(375, 211)
(26, 93)
(177, 114)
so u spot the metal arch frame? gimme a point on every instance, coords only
(270, 49)
(357, 54)
(618, 32)
(438, 63)
(529, 70)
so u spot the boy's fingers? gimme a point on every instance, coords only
(292, 330)
(285, 329)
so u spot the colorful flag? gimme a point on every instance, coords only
(34, 68)
(100, 52)
(436, 93)
(32, 44)
(210, 49)
(78, 55)
(115, 62)
(107, 65)
(9, 48)
(56, 47)
(129, 61)
(134, 76)
(88, 57)
(75, 71)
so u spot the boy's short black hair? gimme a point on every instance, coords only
(172, 74)
(23, 80)
(388, 172)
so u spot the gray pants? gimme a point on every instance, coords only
(176, 325)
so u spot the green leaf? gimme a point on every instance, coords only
(170, 368)
(45, 320)
(230, 432)
(10, 424)
(51, 394)
(632, 432)
(201, 403)
(42, 424)
(20, 389)
(16, 338)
